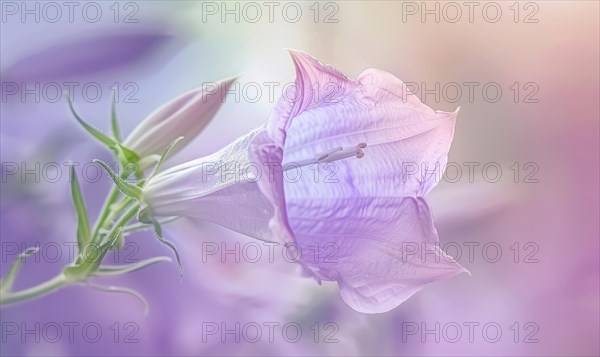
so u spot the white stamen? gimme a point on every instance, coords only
(345, 153)
(337, 153)
(330, 152)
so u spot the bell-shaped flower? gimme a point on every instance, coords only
(339, 171)
(186, 116)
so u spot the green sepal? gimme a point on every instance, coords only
(144, 226)
(146, 217)
(127, 188)
(114, 123)
(165, 155)
(100, 136)
(128, 159)
(95, 263)
(125, 156)
(83, 224)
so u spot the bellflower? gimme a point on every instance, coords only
(362, 221)
(186, 116)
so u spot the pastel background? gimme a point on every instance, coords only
(541, 294)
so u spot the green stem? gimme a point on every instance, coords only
(106, 210)
(59, 281)
(115, 208)
(44, 288)
(126, 217)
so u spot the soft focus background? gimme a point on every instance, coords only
(526, 75)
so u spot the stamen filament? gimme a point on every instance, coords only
(335, 154)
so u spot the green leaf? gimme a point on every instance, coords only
(83, 225)
(103, 138)
(7, 282)
(113, 270)
(114, 123)
(164, 155)
(128, 189)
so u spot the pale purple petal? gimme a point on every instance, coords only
(186, 115)
(370, 207)
(380, 250)
(405, 138)
(212, 189)
(329, 86)
(268, 156)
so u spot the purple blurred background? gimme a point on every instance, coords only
(526, 76)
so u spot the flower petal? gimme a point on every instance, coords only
(316, 83)
(268, 155)
(380, 250)
(407, 142)
(218, 188)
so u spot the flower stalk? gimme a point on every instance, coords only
(121, 206)
(84, 267)
(42, 289)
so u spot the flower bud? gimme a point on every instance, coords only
(186, 115)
